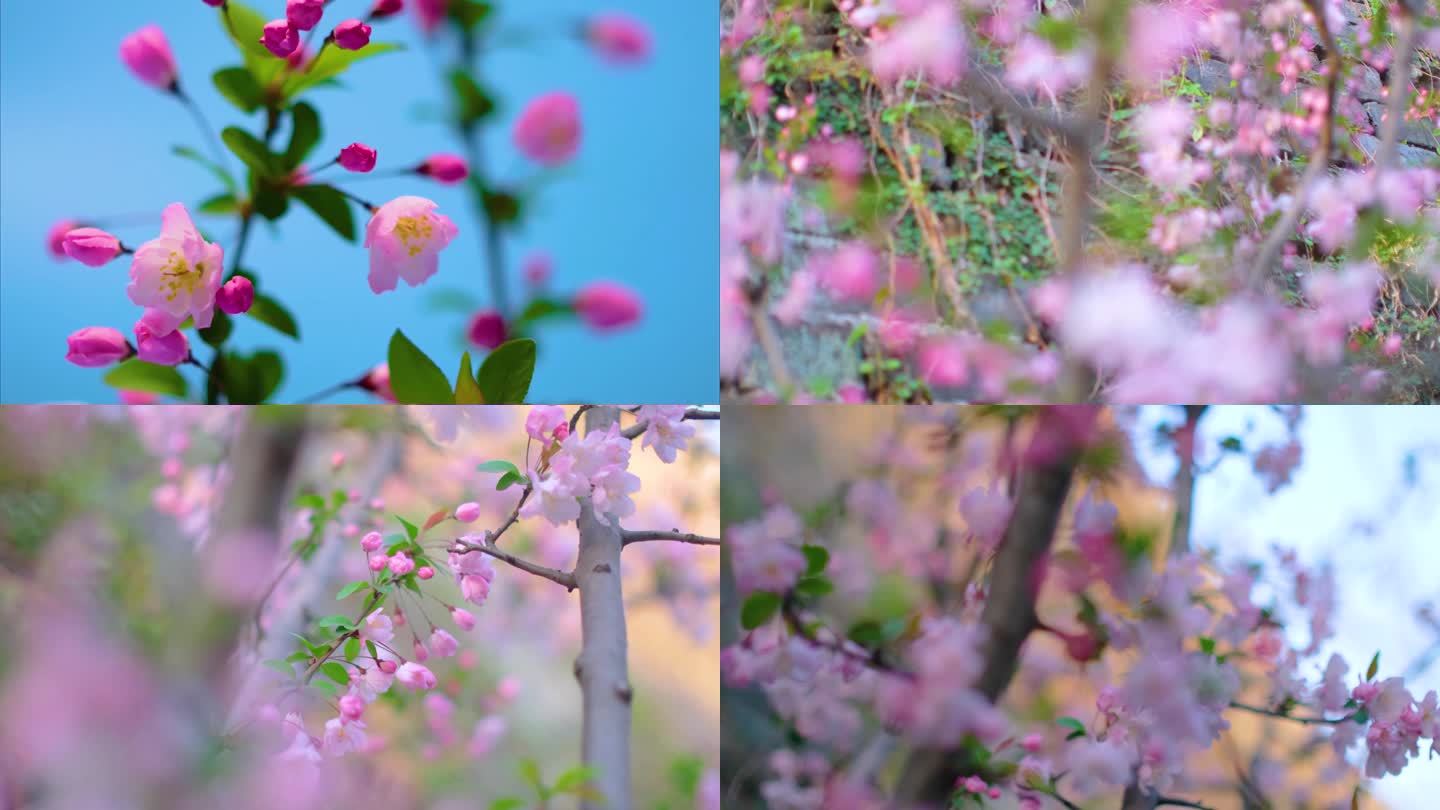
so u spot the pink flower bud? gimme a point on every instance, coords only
(385, 8)
(548, 129)
(280, 38)
(304, 14)
(561, 431)
(445, 168)
(487, 329)
(147, 53)
(421, 653)
(378, 562)
(158, 341)
(357, 157)
(55, 239)
(351, 707)
(91, 247)
(467, 512)
(214, 3)
(443, 644)
(425, 572)
(387, 666)
(401, 564)
(415, 676)
(605, 306)
(537, 270)
(464, 619)
(618, 39)
(351, 35)
(371, 541)
(96, 346)
(236, 296)
(377, 382)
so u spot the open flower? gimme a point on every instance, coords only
(405, 237)
(177, 272)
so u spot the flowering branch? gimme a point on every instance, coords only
(629, 537)
(488, 547)
(1331, 721)
(691, 414)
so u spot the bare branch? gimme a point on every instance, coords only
(680, 537)
(566, 578)
(1309, 721)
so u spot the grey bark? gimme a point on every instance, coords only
(601, 668)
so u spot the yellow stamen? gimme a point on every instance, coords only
(414, 233)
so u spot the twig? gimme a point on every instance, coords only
(555, 575)
(628, 537)
(1309, 721)
(690, 415)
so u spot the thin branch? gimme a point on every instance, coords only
(1309, 721)
(628, 537)
(555, 575)
(1171, 801)
(691, 414)
(874, 659)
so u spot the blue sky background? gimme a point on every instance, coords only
(1362, 498)
(81, 137)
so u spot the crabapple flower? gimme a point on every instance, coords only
(765, 552)
(236, 296)
(91, 247)
(55, 238)
(351, 707)
(473, 573)
(405, 237)
(606, 306)
(304, 14)
(378, 628)
(851, 273)
(401, 564)
(467, 512)
(464, 619)
(371, 541)
(443, 644)
(357, 157)
(158, 341)
(542, 422)
(548, 129)
(377, 382)
(177, 272)
(487, 329)
(425, 572)
(147, 53)
(445, 168)
(351, 35)
(280, 38)
(665, 429)
(987, 515)
(928, 40)
(96, 346)
(415, 676)
(342, 737)
(618, 39)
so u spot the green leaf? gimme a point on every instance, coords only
(758, 609)
(333, 620)
(467, 391)
(541, 308)
(270, 202)
(331, 206)
(509, 479)
(814, 587)
(137, 375)
(332, 63)
(219, 204)
(214, 168)
(1077, 728)
(505, 375)
(304, 134)
(574, 779)
(218, 331)
(816, 557)
(470, 13)
(861, 329)
(414, 377)
(501, 206)
(530, 772)
(279, 666)
(328, 687)
(250, 150)
(867, 633)
(1374, 667)
(410, 529)
(1362, 717)
(509, 803)
(250, 380)
(238, 86)
(498, 465)
(472, 103)
(357, 585)
(1207, 645)
(244, 26)
(268, 311)
(335, 671)
(352, 648)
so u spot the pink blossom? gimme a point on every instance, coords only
(851, 273)
(665, 430)
(548, 129)
(928, 40)
(386, 8)
(377, 381)
(765, 552)
(178, 272)
(357, 157)
(351, 707)
(486, 329)
(405, 237)
(158, 341)
(147, 53)
(351, 35)
(415, 676)
(463, 618)
(236, 296)
(55, 237)
(96, 346)
(987, 515)
(377, 627)
(342, 737)
(401, 564)
(280, 38)
(429, 14)
(943, 361)
(443, 644)
(91, 247)
(445, 168)
(1159, 37)
(371, 541)
(542, 420)
(606, 306)
(618, 38)
(790, 309)
(304, 14)
(425, 572)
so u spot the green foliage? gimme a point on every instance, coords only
(304, 134)
(504, 377)
(331, 206)
(270, 312)
(249, 379)
(214, 168)
(137, 375)
(467, 391)
(414, 377)
(251, 151)
(239, 87)
(758, 609)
